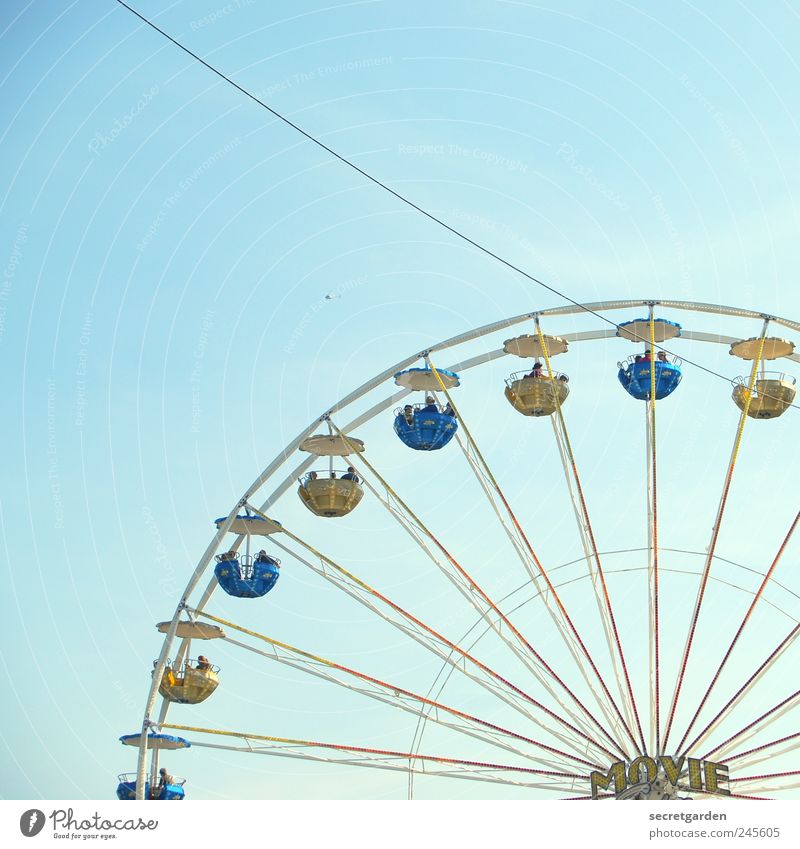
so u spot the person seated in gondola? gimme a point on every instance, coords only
(310, 476)
(430, 405)
(537, 370)
(638, 358)
(408, 414)
(350, 475)
(662, 356)
(648, 356)
(449, 411)
(230, 555)
(203, 664)
(164, 778)
(262, 557)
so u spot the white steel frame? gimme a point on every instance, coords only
(327, 569)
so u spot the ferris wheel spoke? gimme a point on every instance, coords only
(543, 590)
(715, 532)
(445, 649)
(491, 614)
(737, 697)
(496, 487)
(392, 764)
(762, 789)
(479, 599)
(756, 726)
(741, 627)
(402, 699)
(774, 784)
(435, 765)
(607, 611)
(515, 536)
(751, 757)
(744, 782)
(652, 539)
(586, 544)
(397, 696)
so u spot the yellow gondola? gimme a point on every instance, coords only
(330, 496)
(188, 684)
(773, 393)
(536, 396)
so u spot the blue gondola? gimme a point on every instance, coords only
(246, 577)
(635, 377)
(126, 789)
(428, 428)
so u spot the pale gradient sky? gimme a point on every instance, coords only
(167, 246)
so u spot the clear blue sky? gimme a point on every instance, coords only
(167, 247)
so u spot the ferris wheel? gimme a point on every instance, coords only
(571, 668)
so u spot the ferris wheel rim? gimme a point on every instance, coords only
(285, 454)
